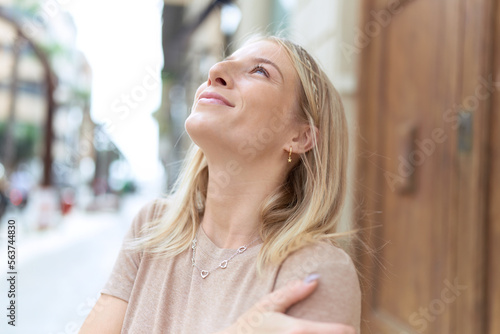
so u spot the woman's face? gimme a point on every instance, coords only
(247, 104)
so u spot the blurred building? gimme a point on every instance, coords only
(192, 42)
(45, 122)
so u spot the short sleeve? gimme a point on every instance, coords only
(338, 295)
(123, 275)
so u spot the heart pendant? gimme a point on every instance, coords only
(204, 273)
(223, 264)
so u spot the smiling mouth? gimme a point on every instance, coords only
(214, 98)
(212, 101)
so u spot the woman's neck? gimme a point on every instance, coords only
(232, 208)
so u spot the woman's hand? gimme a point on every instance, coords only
(267, 315)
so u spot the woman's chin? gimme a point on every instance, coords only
(197, 124)
(201, 131)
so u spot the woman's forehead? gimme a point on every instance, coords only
(268, 50)
(260, 49)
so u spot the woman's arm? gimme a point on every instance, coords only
(109, 312)
(106, 316)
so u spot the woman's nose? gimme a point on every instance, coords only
(219, 76)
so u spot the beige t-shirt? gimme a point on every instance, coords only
(168, 295)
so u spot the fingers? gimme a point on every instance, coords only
(273, 322)
(267, 315)
(295, 291)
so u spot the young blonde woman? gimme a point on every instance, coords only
(245, 242)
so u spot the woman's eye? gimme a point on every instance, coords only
(260, 70)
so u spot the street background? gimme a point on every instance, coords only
(61, 270)
(93, 99)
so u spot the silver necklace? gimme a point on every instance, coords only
(223, 265)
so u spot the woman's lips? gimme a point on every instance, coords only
(214, 98)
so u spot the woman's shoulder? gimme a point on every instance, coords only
(330, 261)
(154, 208)
(150, 212)
(338, 295)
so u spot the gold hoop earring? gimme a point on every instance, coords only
(290, 155)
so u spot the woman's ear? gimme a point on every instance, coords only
(305, 139)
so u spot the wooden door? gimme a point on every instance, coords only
(426, 85)
(493, 232)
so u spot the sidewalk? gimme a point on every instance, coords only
(61, 270)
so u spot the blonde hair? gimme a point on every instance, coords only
(305, 209)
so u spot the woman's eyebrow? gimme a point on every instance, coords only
(261, 60)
